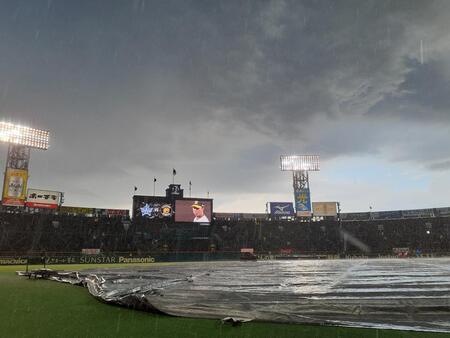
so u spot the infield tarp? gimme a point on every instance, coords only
(408, 294)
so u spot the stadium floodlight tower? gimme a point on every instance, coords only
(20, 140)
(300, 165)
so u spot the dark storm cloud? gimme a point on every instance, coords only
(423, 94)
(297, 60)
(269, 63)
(440, 166)
(130, 89)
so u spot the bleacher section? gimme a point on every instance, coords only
(22, 234)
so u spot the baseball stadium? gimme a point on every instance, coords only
(225, 168)
(174, 267)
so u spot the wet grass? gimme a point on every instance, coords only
(39, 308)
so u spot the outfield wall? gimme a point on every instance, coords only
(120, 259)
(182, 257)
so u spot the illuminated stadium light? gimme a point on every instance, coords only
(299, 162)
(25, 136)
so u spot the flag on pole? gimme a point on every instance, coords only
(135, 188)
(174, 172)
(154, 179)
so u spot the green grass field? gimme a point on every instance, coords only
(40, 308)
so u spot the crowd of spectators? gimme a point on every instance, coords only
(22, 233)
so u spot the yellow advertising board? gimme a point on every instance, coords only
(325, 209)
(303, 213)
(76, 211)
(15, 187)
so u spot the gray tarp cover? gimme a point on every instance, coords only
(412, 294)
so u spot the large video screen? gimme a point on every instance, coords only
(190, 210)
(151, 207)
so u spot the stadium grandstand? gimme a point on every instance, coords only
(68, 229)
(36, 229)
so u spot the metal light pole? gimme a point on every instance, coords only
(20, 139)
(300, 165)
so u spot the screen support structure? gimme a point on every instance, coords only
(18, 157)
(301, 184)
(300, 179)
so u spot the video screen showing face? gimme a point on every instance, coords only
(196, 211)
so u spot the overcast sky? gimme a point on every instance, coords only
(219, 89)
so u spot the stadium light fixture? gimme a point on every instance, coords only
(25, 136)
(299, 163)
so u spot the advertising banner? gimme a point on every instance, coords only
(254, 216)
(111, 212)
(443, 212)
(118, 212)
(191, 210)
(355, 216)
(101, 259)
(98, 259)
(43, 199)
(401, 252)
(226, 215)
(15, 187)
(418, 213)
(395, 214)
(286, 251)
(281, 209)
(230, 216)
(325, 209)
(13, 260)
(302, 202)
(76, 211)
(90, 251)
